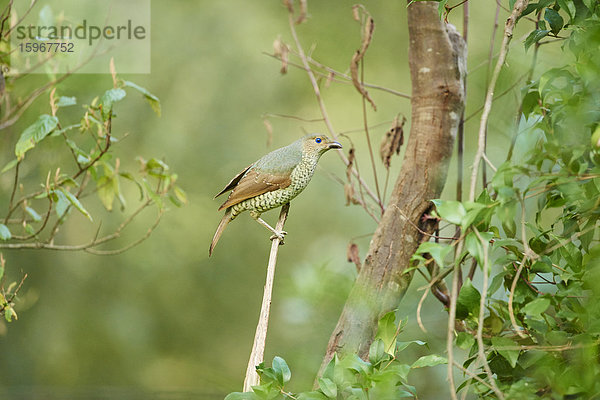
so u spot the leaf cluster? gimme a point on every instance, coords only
(383, 376)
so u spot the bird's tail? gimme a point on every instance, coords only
(222, 225)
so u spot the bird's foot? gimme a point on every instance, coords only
(279, 235)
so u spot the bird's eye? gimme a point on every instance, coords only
(318, 140)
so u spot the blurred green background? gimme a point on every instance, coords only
(163, 316)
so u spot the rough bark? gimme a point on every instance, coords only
(437, 59)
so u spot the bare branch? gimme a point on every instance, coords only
(260, 337)
(484, 288)
(519, 6)
(328, 123)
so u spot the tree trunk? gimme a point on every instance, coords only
(437, 58)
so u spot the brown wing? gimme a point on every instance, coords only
(232, 183)
(255, 183)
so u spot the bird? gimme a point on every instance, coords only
(272, 181)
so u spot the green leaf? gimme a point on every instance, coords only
(4, 232)
(386, 331)
(266, 391)
(438, 251)
(429, 361)
(106, 191)
(152, 99)
(314, 395)
(242, 396)
(34, 215)
(355, 363)
(536, 307)
(58, 132)
(568, 6)
(468, 300)
(66, 101)
(281, 370)
(554, 19)
(155, 163)
(153, 195)
(35, 133)
(530, 102)
(110, 97)
(465, 340)
(496, 282)
(180, 194)
(473, 246)
(127, 175)
(535, 37)
(441, 7)
(451, 210)
(473, 211)
(328, 388)
(62, 203)
(9, 313)
(10, 165)
(376, 351)
(506, 348)
(75, 202)
(403, 345)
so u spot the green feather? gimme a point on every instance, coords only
(282, 160)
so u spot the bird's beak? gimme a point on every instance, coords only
(334, 145)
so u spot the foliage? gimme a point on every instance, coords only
(528, 310)
(383, 376)
(534, 230)
(36, 212)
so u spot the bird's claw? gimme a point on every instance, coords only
(279, 235)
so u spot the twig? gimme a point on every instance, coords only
(9, 299)
(502, 94)
(511, 297)
(260, 337)
(285, 116)
(347, 79)
(472, 375)
(132, 244)
(508, 32)
(480, 345)
(527, 253)
(488, 162)
(368, 137)
(14, 190)
(452, 321)
(315, 85)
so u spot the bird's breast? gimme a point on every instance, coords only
(302, 174)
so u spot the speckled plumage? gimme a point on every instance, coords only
(273, 180)
(300, 177)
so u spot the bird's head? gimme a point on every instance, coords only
(316, 144)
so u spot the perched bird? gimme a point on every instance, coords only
(272, 181)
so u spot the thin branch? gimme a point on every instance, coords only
(285, 116)
(452, 321)
(22, 17)
(14, 190)
(317, 91)
(260, 337)
(130, 245)
(472, 375)
(331, 76)
(527, 253)
(366, 127)
(484, 288)
(488, 162)
(508, 32)
(502, 94)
